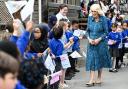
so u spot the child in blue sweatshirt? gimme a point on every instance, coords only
(125, 28)
(122, 36)
(68, 40)
(57, 48)
(113, 42)
(76, 45)
(28, 77)
(21, 41)
(125, 31)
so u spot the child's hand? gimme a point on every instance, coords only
(111, 42)
(39, 54)
(71, 39)
(53, 56)
(81, 37)
(45, 79)
(29, 26)
(114, 42)
(49, 50)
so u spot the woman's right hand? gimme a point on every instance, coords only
(91, 41)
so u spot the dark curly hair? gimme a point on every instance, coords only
(32, 73)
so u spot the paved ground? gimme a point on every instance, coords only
(111, 80)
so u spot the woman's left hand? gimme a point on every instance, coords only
(97, 41)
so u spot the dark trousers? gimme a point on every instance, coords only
(120, 58)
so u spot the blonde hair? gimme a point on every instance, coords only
(96, 7)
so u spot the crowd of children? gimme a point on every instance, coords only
(30, 45)
(25, 51)
(117, 41)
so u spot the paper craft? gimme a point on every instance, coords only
(110, 42)
(14, 6)
(49, 64)
(79, 33)
(55, 77)
(45, 55)
(65, 61)
(75, 54)
(27, 10)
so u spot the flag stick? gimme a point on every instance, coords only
(31, 17)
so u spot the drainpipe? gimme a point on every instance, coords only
(40, 11)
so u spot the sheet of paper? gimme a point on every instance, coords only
(49, 64)
(27, 10)
(14, 6)
(75, 54)
(65, 61)
(79, 33)
(55, 77)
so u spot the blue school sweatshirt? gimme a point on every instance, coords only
(114, 36)
(13, 39)
(21, 41)
(19, 86)
(75, 46)
(56, 47)
(125, 32)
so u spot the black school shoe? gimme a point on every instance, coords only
(68, 77)
(113, 70)
(118, 66)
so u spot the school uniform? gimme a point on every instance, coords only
(57, 48)
(76, 47)
(65, 39)
(125, 32)
(114, 52)
(21, 41)
(13, 39)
